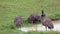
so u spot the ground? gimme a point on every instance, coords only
(10, 8)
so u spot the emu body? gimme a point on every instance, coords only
(18, 21)
(33, 18)
(47, 22)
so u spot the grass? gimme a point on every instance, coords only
(10, 8)
(20, 32)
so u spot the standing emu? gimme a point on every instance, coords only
(18, 21)
(33, 18)
(46, 21)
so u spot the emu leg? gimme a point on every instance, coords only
(32, 25)
(46, 28)
(19, 27)
(36, 27)
(51, 29)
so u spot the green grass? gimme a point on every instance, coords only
(20, 32)
(10, 8)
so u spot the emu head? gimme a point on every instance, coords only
(43, 14)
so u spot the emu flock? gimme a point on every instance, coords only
(33, 18)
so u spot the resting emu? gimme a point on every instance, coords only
(18, 21)
(46, 21)
(33, 18)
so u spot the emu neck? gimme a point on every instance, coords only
(42, 17)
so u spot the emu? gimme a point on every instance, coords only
(33, 18)
(18, 21)
(46, 21)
